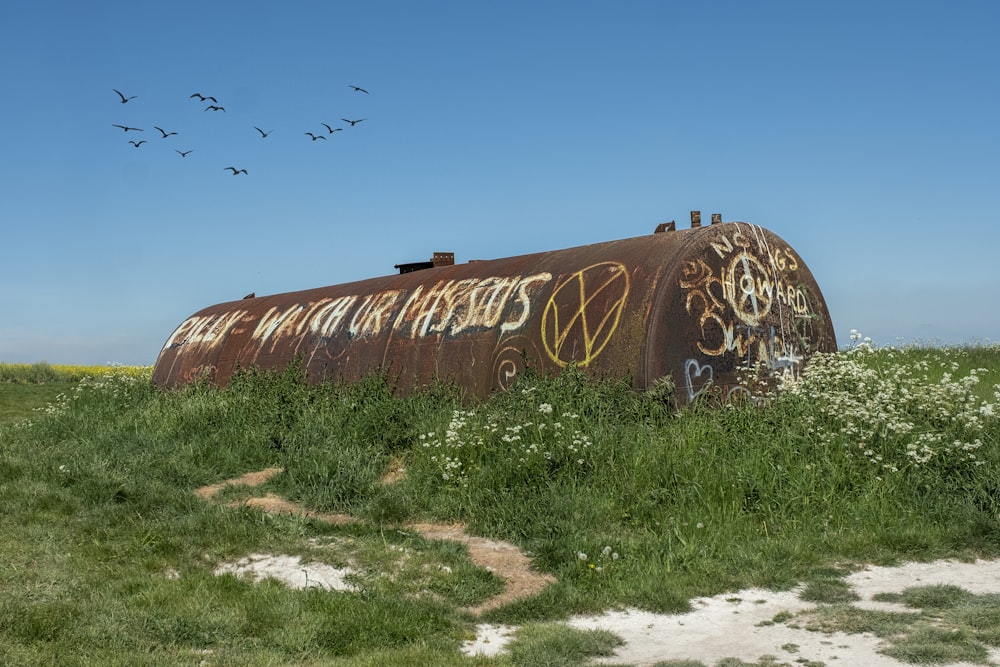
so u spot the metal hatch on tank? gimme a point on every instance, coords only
(696, 305)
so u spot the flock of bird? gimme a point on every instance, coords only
(215, 107)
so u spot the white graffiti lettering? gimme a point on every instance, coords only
(329, 313)
(206, 329)
(448, 307)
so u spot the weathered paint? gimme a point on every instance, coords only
(695, 305)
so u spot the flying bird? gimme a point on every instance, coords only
(331, 129)
(214, 108)
(164, 132)
(127, 128)
(315, 137)
(353, 122)
(359, 90)
(183, 153)
(263, 134)
(124, 99)
(202, 98)
(236, 171)
(138, 143)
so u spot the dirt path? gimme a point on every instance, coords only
(503, 559)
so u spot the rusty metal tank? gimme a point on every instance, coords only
(694, 305)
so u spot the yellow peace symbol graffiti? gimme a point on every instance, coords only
(583, 312)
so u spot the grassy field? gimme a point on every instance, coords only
(26, 388)
(108, 557)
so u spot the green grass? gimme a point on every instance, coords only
(21, 401)
(957, 625)
(844, 617)
(555, 645)
(924, 637)
(28, 388)
(828, 588)
(107, 558)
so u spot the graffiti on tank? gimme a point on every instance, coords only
(748, 305)
(207, 329)
(326, 316)
(449, 307)
(200, 372)
(583, 313)
(276, 319)
(749, 290)
(455, 307)
(506, 367)
(697, 378)
(509, 358)
(374, 314)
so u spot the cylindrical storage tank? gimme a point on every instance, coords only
(696, 305)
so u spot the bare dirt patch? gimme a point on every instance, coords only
(290, 570)
(503, 559)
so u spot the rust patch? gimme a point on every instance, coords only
(503, 559)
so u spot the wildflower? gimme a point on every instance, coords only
(545, 408)
(581, 555)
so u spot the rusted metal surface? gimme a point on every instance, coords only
(695, 305)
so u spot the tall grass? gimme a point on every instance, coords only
(874, 455)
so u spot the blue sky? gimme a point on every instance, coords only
(865, 134)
